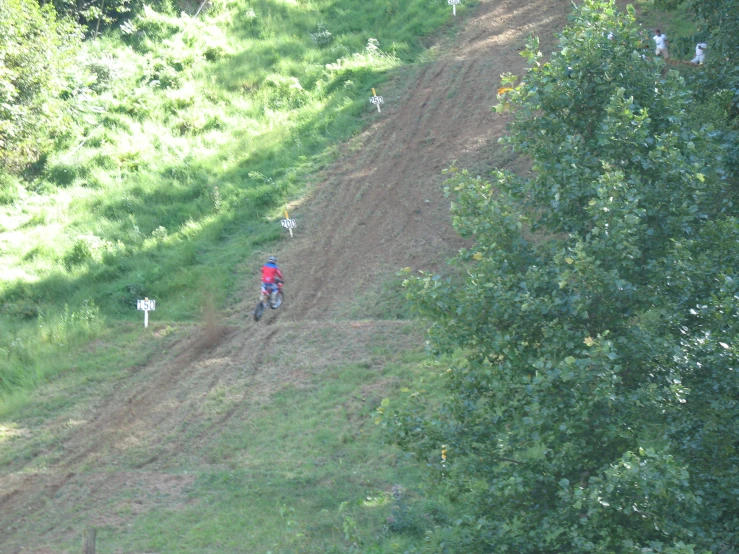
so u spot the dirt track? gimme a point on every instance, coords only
(379, 208)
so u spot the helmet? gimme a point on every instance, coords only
(272, 260)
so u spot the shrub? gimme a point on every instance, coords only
(160, 74)
(9, 189)
(105, 69)
(64, 174)
(322, 36)
(160, 233)
(36, 51)
(150, 28)
(214, 53)
(285, 92)
(79, 254)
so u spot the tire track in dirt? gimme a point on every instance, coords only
(144, 403)
(163, 425)
(118, 417)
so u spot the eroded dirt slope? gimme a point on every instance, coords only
(379, 208)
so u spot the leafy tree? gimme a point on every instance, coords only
(36, 50)
(716, 84)
(718, 21)
(718, 24)
(592, 388)
(97, 15)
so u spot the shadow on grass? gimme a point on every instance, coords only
(182, 230)
(203, 244)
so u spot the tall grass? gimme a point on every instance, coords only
(37, 349)
(189, 135)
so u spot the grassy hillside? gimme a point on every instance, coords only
(257, 463)
(188, 136)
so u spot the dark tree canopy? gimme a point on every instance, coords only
(97, 15)
(593, 395)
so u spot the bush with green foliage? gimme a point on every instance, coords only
(718, 22)
(36, 52)
(592, 403)
(718, 25)
(98, 15)
(715, 83)
(9, 189)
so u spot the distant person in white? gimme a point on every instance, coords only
(661, 41)
(700, 53)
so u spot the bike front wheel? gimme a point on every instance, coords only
(275, 301)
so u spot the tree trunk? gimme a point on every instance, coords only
(102, 12)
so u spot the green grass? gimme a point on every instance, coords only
(308, 471)
(183, 148)
(75, 359)
(187, 137)
(281, 483)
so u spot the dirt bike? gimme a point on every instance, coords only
(272, 299)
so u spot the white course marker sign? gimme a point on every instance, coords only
(376, 100)
(146, 305)
(288, 223)
(453, 4)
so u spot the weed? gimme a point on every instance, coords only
(294, 534)
(9, 189)
(350, 528)
(79, 254)
(400, 519)
(322, 36)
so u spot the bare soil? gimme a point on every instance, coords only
(378, 209)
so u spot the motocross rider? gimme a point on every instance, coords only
(271, 276)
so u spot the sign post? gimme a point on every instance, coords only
(453, 4)
(289, 224)
(146, 305)
(376, 100)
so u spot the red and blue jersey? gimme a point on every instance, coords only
(270, 272)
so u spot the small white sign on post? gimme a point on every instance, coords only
(453, 4)
(146, 305)
(288, 223)
(376, 100)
